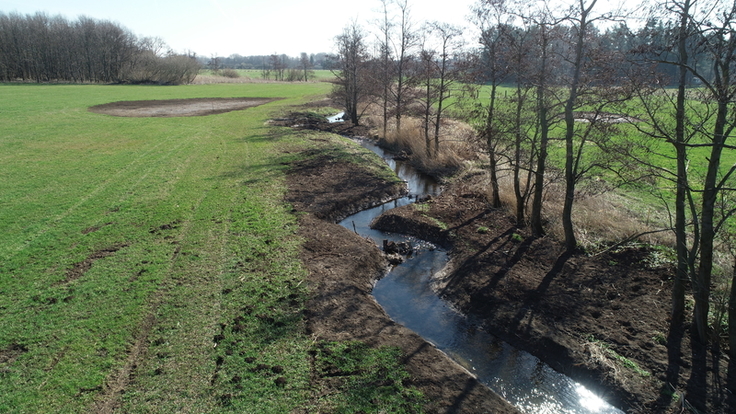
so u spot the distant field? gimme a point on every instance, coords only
(319, 75)
(128, 244)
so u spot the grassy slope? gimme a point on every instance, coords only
(159, 237)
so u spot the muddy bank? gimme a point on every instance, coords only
(591, 318)
(342, 267)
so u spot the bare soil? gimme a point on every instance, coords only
(178, 107)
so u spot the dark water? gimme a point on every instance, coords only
(406, 295)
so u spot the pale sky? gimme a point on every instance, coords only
(245, 27)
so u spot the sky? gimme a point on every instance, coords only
(244, 27)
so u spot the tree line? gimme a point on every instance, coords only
(41, 48)
(650, 107)
(260, 62)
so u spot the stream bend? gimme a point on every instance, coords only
(407, 297)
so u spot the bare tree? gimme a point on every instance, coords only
(437, 76)
(488, 16)
(384, 74)
(403, 49)
(306, 67)
(41, 48)
(703, 122)
(351, 69)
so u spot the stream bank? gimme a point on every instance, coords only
(601, 320)
(342, 268)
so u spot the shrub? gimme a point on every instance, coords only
(230, 73)
(167, 70)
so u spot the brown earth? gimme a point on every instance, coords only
(177, 107)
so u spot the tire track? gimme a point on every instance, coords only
(11, 251)
(109, 400)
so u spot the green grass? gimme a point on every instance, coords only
(163, 235)
(371, 380)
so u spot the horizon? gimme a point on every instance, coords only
(224, 28)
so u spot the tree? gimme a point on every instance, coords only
(541, 77)
(383, 76)
(591, 86)
(351, 69)
(41, 48)
(305, 63)
(278, 65)
(582, 21)
(407, 41)
(488, 16)
(703, 123)
(438, 76)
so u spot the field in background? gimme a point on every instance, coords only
(149, 262)
(206, 76)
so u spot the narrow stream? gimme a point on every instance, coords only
(405, 294)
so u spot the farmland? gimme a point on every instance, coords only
(150, 264)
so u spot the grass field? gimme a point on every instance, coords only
(150, 255)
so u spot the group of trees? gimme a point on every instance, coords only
(283, 68)
(260, 62)
(674, 83)
(408, 71)
(43, 49)
(570, 89)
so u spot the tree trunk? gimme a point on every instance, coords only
(542, 120)
(682, 274)
(493, 163)
(520, 197)
(707, 228)
(570, 167)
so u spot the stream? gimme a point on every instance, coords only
(405, 294)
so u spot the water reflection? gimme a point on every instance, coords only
(406, 295)
(336, 118)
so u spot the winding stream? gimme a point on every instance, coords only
(405, 294)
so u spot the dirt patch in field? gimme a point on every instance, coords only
(178, 107)
(10, 353)
(342, 268)
(79, 269)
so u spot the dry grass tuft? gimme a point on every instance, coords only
(603, 219)
(455, 146)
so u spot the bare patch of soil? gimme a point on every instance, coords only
(10, 353)
(586, 316)
(79, 269)
(342, 268)
(332, 189)
(178, 107)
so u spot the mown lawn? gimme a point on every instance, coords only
(149, 262)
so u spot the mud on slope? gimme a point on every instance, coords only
(342, 268)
